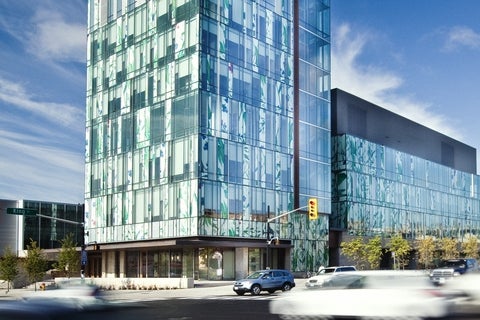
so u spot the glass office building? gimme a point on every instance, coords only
(203, 120)
(382, 191)
(393, 176)
(46, 223)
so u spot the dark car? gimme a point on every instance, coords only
(451, 268)
(269, 280)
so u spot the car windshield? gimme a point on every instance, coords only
(453, 263)
(327, 270)
(256, 275)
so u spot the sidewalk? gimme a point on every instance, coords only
(202, 288)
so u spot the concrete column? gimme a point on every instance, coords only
(122, 264)
(241, 262)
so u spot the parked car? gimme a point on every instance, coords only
(370, 294)
(451, 268)
(269, 280)
(326, 274)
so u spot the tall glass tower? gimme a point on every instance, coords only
(204, 120)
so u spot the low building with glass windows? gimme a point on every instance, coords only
(46, 223)
(394, 176)
(205, 119)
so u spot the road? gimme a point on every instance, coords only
(216, 302)
(199, 309)
(215, 308)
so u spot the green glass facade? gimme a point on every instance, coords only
(382, 191)
(204, 118)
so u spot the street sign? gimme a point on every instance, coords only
(83, 259)
(22, 211)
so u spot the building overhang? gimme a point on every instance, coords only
(193, 242)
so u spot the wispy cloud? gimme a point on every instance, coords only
(53, 38)
(16, 95)
(37, 158)
(35, 171)
(377, 85)
(42, 123)
(460, 37)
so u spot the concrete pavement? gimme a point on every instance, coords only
(202, 289)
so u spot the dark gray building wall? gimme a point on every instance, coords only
(355, 116)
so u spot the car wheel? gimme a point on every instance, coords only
(286, 286)
(256, 289)
(240, 293)
(271, 291)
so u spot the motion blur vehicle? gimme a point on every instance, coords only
(325, 275)
(269, 280)
(464, 292)
(74, 293)
(323, 270)
(331, 280)
(370, 294)
(451, 268)
(39, 309)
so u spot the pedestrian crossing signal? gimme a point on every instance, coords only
(312, 209)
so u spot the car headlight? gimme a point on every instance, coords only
(456, 273)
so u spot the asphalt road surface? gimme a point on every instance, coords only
(212, 308)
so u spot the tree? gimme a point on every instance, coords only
(355, 250)
(470, 247)
(8, 266)
(35, 263)
(449, 248)
(426, 251)
(400, 249)
(373, 252)
(68, 257)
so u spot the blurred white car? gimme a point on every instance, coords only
(464, 292)
(327, 277)
(75, 294)
(370, 294)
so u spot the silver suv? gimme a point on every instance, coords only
(269, 280)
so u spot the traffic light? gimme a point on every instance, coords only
(312, 209)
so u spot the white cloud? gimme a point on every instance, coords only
(17, 95)
(33, 170)
(36, 138)
(53, 38)
(460, 36)
(376, 85)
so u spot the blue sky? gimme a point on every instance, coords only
(418, 58)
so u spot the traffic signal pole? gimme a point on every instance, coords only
(284, 214)
(312, 215)
(276, 239)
